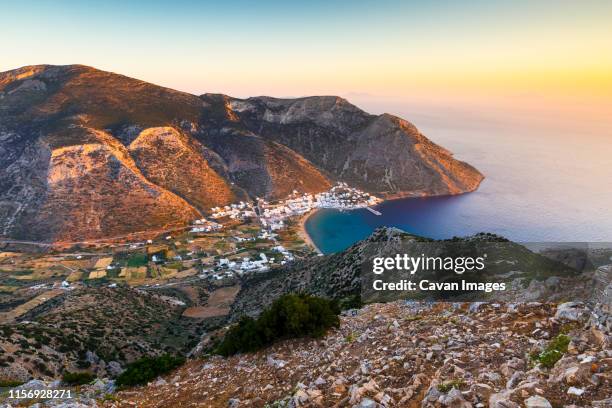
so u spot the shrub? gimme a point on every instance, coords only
(7, 331)
(77, 378)
(83, 364)
(449, 385)
(10, 383)
(553, 352)
(351, 302)
(147, 368)
(290, 316)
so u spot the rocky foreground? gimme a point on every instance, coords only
(408, 355)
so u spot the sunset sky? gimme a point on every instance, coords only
(553, 49)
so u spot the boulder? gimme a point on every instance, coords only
(502, 400)
(454, 399)
(276, 363)
(320, 381)
(300, 397)
(91, 357)
(570, 371)
(315, 396)
(432, 394)
(607, 403)
(537, 402)
(475, 306)
(572, 311)
(483, 391)
(516, 377)
(575, 391)
(114, 369)
(367, 403)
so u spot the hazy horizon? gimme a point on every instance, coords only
(549, 50)
(546, 180)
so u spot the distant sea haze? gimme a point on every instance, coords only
(548, 179)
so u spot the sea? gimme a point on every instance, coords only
(548, 179)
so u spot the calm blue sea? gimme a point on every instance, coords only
(546, 181)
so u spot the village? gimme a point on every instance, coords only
(340, 197)
(272, 217)
(234, 240)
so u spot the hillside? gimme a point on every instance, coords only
(404, 355)
(345, 275)
(87, 154)
(401, 353)
(80, 330)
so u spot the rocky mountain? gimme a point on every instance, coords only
(347, 276)
(88, 154)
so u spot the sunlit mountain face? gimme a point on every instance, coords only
(91, 154)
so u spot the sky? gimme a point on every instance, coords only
(551, 51)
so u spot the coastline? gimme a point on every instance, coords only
(303, 233)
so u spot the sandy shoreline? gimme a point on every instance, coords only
(304, 234)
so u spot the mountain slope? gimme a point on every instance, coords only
(90, 154)
(95, 190)
(383, 154)
(347, 276)
(170, 159)
(404, 355)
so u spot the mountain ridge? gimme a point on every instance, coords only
(194, 153)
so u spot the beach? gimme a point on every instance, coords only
(303, 233)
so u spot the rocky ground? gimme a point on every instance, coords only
(397, 354)
(95, 329)
(406, 355)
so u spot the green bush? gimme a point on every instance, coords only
(553, 352)
(290, 316)
(147, 368)
(351, 302)
(77, 378)
(449, 385)
(10, 383)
